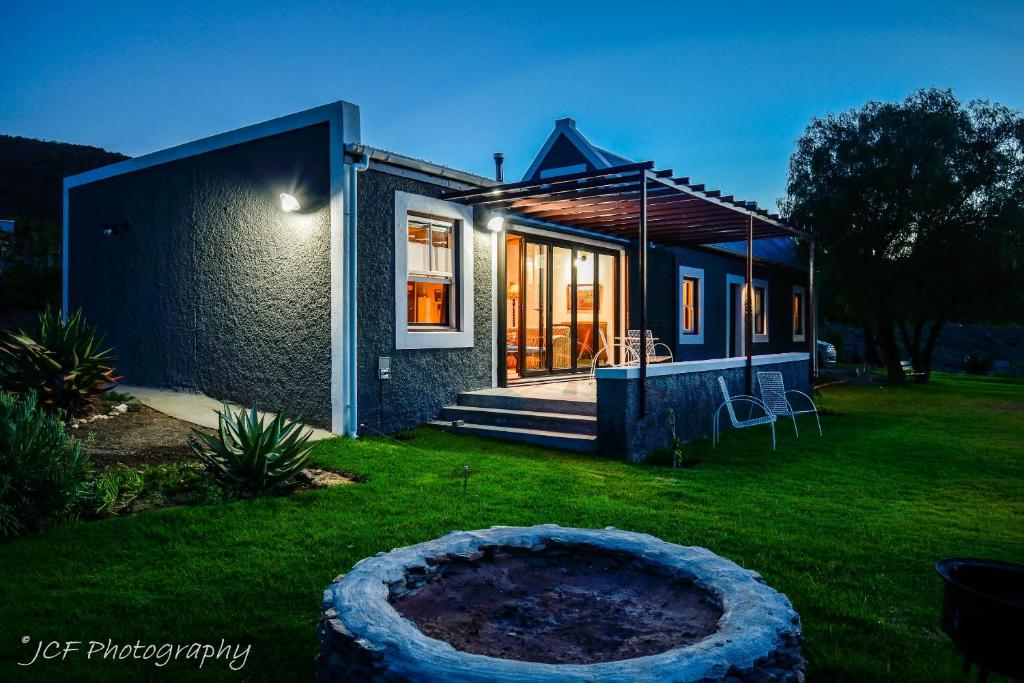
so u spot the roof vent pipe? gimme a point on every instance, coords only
(499, 163)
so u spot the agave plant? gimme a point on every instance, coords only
(65, 364)
(249, 456)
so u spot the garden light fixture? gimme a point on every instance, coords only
(288, 202)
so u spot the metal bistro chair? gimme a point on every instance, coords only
(768, 418)
(650, 348)
(775, 396)
(605, 349)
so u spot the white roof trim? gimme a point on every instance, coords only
(400, 160)
(341, 111)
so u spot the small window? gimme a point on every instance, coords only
(691, 305)
(799, 314)
(760, 317)
(430, 284)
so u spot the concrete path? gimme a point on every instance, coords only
(199, 409)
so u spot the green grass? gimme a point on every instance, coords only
(848, 526)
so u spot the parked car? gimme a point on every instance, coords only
(826, 353)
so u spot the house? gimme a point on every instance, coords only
(291, 264)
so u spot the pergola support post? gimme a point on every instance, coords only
(812, 315)
(748, 309)
(643, 296)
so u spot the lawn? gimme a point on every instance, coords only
(848, 526)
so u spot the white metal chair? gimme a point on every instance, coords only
(605, 349)
(650, 348)
(768, 418)
(775, 396)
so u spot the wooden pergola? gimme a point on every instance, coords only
(635, 200)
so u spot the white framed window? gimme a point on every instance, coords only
(760, 311)
(691, 305)
(430, 280)
(433, 273)
(799, 314)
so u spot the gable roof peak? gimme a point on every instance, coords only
(586, 154)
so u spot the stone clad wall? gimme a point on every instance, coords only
(692, 395)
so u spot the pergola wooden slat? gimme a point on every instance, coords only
(652, 205)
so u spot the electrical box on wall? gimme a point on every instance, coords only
(383, 368)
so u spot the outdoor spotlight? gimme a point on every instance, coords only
(496, 224)
(288, 202)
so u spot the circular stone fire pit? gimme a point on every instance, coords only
(548, 603)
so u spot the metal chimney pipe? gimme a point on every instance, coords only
(499, 163)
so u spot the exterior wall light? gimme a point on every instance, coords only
(496, 224)
(288, 202)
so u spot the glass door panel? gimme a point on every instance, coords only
(607, 323)
(563, 305)
(513, 306)
(560, 306)
(586, 302)
(535, 306)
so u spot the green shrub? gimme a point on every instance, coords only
(185, 482)
(41, 467)
(64, 363)
(111, 492)
(249, 456)
(125, 489)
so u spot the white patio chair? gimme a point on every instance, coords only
(768, 418)
(775, 396)
(605, 349)
(650, 348)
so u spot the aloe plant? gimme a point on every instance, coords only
(65, 363)
(250, 456)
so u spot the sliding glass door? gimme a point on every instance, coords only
(561, 306)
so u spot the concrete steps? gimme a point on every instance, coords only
(480, 399)
(552, 423)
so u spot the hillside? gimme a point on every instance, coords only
(32, 173)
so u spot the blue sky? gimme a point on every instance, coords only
(717, 91)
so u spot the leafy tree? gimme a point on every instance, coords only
(918, 211)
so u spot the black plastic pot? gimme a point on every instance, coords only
(983, 612)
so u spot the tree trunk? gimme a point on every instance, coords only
(871, 347)
(890, 351)
(912, 343)
(929, 348)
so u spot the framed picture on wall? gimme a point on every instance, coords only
(584, 296)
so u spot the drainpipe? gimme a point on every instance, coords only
(349, 307)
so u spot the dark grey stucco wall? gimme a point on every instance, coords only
(208, 285)
(693, 397)
(663, 300)
(423, 380)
